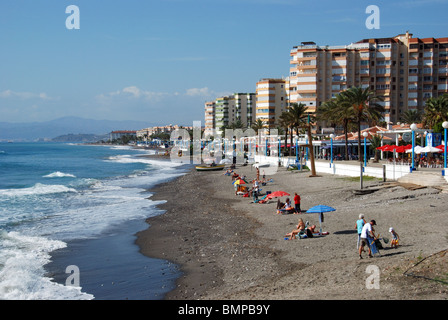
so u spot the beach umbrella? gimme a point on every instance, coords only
(401, 149)
(430, 149)
(278, 194)
(441, 147)
(416, 149)
(320, 209)
(239, 181)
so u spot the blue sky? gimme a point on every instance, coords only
(160, 60)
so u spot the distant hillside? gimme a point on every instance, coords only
(81, 138)
(50, 129)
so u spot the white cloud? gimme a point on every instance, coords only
(198, 92)
(24, 95)
(131, 92)
(205, 93)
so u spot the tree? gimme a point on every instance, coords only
(238, 124)
(257, 125)
(299, 117)
(411, 116)
(338, 111)
(365, 108)
(285, 122)
(436, 111)
(375, 142)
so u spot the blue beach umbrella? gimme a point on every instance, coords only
(320, 209)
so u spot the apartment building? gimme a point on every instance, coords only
(209, 115)
(272, 98)
(245, 107)
(404, 70)
(230, 109)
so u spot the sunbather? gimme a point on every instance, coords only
(300, 228)
(287, 208)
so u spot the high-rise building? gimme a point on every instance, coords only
(227, 110)
(272, 100)
(209, 115)
(404, 70)
(244, 108)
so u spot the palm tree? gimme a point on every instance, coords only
(338, 111)
(411, 116)
(285, 122)
(238, 124)
(257, 125)
(298, 117)
(436, 111)
(375, 142)
(365, 108)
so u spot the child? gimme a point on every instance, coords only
(395, 238)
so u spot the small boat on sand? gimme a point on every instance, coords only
(212, 167)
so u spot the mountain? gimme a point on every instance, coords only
(67, 125)
(83, 137)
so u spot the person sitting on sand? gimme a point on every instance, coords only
(279, 204)
(300, 228)
(287, 208)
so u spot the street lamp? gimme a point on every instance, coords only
(331, 153)
(413, 128)
(365, 134)
(445, 126)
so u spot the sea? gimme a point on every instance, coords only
(68, 218)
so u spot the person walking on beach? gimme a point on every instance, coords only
(359, 224)
(367, 233)
(395, 238)
(297, 202)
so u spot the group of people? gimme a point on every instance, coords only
(301, 231)
(243, 188)
(366, 235)
(287, 206)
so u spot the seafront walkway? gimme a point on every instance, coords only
(386, 170)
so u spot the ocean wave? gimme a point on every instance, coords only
(37, 189)
(158, 163)
(59, 174)
(22, 273)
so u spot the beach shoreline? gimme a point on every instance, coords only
(230, 248)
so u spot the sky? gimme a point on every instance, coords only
(161, 60)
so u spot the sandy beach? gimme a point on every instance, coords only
(231, 248)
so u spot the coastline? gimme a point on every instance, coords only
(230, 248)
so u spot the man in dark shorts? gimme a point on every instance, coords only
(367, 233)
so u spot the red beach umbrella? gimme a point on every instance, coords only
(402, 149)
(277, 194)
(441, 147)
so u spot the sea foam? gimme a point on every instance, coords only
(59, 174)
(37, 189)
(22, 273)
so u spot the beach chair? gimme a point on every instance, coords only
(263, 199)
(373, 246)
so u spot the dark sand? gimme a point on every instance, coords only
(230, 248)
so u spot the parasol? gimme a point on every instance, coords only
(320, 209)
